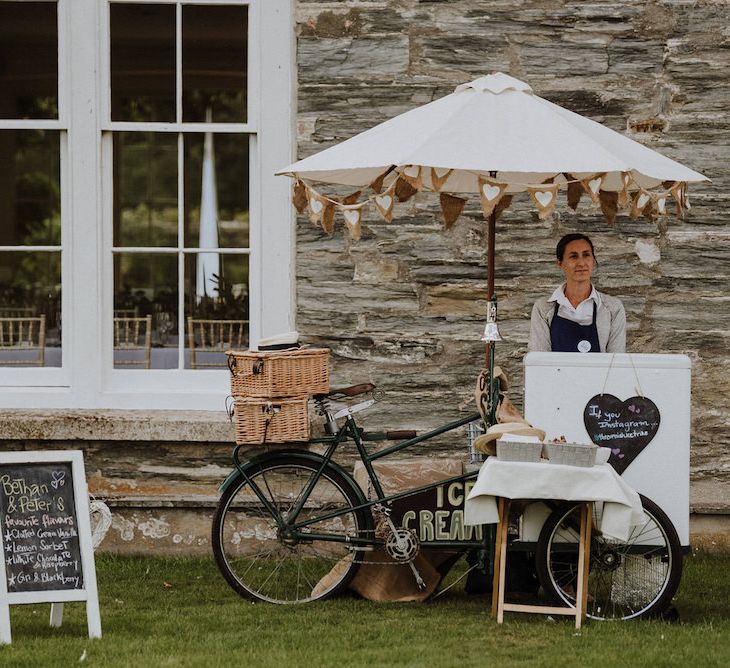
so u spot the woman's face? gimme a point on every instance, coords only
(578, 262)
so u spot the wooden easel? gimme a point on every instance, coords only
(500, 567)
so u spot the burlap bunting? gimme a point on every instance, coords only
(609, 205)
(642, 199)
(377, 185)
(545, 198)
(490, 193)
(299, 198)
(412, 174)
(574, 190)
(593, 185)
(679, 192)
(316, 204)
(404, 190)
(353, 221)
(451, 207)
(503, 204)
(328, 218)
(624, 197)
(437, 182)
(384, 203)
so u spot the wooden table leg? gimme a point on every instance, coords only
(497, 554)
(584, 559)
(503, 527)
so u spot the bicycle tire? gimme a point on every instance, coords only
(631, 579)
(257, 562)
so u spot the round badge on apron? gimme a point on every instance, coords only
(584, 346)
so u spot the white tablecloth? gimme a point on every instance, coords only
(522, 480)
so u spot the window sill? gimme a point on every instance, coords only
(116, 425)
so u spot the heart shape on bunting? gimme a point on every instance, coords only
(626, 427)
(353, 221)
(384, 203)
(624, 197)
(412, 174)
(545, 198)
(641, 199)
(490, 193)
(439, 177)
(593, 185)
(316, 207)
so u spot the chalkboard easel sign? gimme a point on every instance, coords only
(46, 553)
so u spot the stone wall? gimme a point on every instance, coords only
(404, 307)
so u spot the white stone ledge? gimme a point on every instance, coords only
(115, 425)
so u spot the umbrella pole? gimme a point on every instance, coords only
(491, 235)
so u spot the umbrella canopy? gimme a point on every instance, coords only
(493, 137)
(494, 126)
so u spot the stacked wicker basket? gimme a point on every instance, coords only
(271, 391)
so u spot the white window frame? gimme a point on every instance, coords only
(87, 378)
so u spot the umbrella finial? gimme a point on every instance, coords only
(495, 83)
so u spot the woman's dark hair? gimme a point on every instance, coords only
(568, 238)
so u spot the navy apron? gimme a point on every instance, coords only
(567, 336)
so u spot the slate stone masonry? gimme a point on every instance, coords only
(404, 307)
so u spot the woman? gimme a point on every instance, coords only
(576, 317)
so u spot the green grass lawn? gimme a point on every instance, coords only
(180, 612)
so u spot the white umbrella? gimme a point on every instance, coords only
(493, 137)
(493, 124)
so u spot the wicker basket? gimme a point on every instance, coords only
(572, 454)
(519, 451)
(277, 421)
(285, 373)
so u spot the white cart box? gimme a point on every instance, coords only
(559, 387)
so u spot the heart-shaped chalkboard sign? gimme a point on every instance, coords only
(626, 427)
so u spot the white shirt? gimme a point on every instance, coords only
(583, 313)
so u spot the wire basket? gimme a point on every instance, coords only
(519, 451)
(572, 454)
(278, 421)
(474, 430)
(282, 373)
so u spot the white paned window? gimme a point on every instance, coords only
(140, 208)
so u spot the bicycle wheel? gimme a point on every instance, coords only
(259, 562)
(627, 580)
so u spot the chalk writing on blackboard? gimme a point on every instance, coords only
(626, 427)
(39, 527)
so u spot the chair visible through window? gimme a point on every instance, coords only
(209, 339)
(133, 341)
(23, 341)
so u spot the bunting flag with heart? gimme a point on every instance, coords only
(439, 177)
(659, 200)
(299, 198)
(593, 185)
(384, 203)
(490, 192)
(624, 197)
(412, 174)
(316, 204)
(353, 220)
(451, 207)
(641, 199)
(545, 198)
